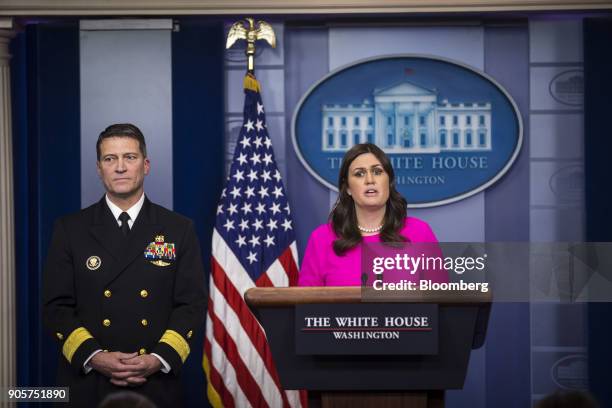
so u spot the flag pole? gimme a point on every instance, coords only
(250, 31)
(253, 244)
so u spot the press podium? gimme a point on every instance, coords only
(413, 381)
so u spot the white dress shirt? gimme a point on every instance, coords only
(133, 211)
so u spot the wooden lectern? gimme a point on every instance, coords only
(413, 381)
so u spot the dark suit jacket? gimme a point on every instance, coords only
(101, 292)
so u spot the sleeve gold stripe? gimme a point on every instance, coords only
(177, 342)
(74, 341)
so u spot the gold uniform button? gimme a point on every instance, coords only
(144, 322)
(189, 334)
(106, 322)
(60, 336)
(107, 293)
(142, 351)
(144, 293)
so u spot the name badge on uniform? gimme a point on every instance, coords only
(160, 253)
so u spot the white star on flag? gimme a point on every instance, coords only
(242, 158)
(277, 176)
(240, 241)
(257, 225)
(235, 192)
(254, 241)
(267, 159)
(252, 175)
(263, 191)
(275, 208)
(244, 224)
(261, 208)
(245, 142)
(278, 192)
(287, 224)
(229, 224)
(238, 175)
(246, 208)
(250, 192)
(249, 125)
(255, 159)
(271, 225)
(232, 209)
(265, 175)
(269, 240)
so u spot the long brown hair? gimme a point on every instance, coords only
(344, 217)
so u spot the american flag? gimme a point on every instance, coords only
(253, 245)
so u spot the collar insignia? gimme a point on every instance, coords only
(160, 253)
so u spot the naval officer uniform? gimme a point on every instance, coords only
(104, 290)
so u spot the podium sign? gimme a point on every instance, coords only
(366, 329)
(459, 323)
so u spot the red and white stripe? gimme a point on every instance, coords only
(242, 370)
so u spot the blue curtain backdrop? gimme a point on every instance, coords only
(198, 151)
(45, 69)
(46, 142)
(597, 148)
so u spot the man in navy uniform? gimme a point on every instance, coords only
(123, 289)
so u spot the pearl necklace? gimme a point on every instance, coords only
(369, 230)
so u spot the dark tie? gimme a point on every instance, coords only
(125, 228)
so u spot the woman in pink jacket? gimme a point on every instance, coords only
(369, 209)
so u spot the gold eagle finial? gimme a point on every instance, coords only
(251, 33)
